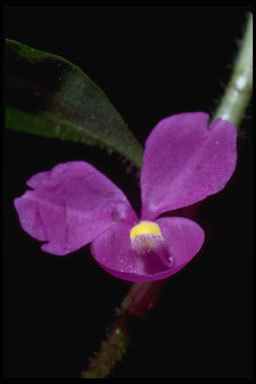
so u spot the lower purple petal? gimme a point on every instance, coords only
(113, 251)
(184, 237)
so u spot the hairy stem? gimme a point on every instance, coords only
(143, 296)
(140, 299)
(238, 92)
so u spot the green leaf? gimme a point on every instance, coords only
(48, 96)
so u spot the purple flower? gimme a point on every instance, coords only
(74, 204)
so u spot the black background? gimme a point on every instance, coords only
(151, 62)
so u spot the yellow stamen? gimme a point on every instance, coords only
(146, 237)
(145, 228)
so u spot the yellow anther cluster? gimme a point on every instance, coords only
(145, 228)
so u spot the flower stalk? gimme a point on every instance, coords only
(238, 92)
(144, 296)
(140, 299)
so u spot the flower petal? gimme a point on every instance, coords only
(112, 250)
(70, 206)
(184, 162)
(184, 236)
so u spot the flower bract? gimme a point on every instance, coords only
(74, 204)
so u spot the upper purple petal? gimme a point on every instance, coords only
(113, 251)
(70, 206)
(184, 162)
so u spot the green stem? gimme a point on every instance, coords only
(140, 299)
(143, 296)
(238, 92)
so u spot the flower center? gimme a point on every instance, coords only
(146, 236)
